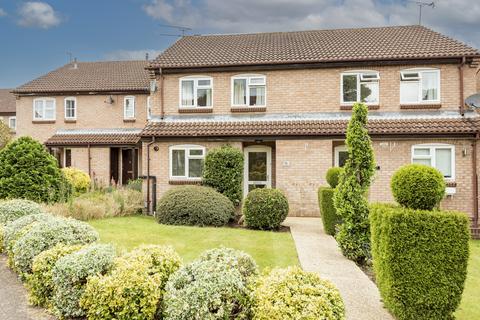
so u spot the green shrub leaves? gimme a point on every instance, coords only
(265, 208)
(329, 215)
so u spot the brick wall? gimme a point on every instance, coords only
(92, 112)
(317, 90)
(301, 165)
(99, 163)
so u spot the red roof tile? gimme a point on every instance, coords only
(384, 43)
(94, 137)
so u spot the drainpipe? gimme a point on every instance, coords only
(162, 109)
(89, 161)
(475, 181)
(460, 74)
(148, 175)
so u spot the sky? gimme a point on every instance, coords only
(37, 36)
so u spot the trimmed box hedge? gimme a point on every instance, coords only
(420, 260)
(329, 215)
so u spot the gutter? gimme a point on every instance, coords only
(460, 74)
(162, 109)
(89, 161)
(148, 177)
(475, 181)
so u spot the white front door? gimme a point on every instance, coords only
(258, 168)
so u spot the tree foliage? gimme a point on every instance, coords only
(350, 195)
(28, 171)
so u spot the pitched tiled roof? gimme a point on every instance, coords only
(7, 101)
(322, 124)
(103, 76)
(384, 43)
(83, 137)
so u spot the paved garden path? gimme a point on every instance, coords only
(318, 252)
(13, 298)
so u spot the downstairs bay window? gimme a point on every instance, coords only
(186, 162)
(360, 86)
(439, 156)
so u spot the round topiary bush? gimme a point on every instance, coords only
(79, 180)
(135, 288)
(236, 259)
(333, 176)
(13, 209)
(265, 209)
(70, 275)
(206, 290)
(194, 205)
(223, 171)
(28, 171)
(292, 293)
(45, 235)
(17, 228)
(40, 283)
(418, 186)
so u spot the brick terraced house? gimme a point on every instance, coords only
(89, 114)
(7, 109)
(285, 99)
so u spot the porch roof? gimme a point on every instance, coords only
(312, 124)
(82, 137)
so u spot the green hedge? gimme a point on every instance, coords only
(265, 209)
(194, 206)
(333, 176)
(329, 215)
(223, 171)
(420, 260)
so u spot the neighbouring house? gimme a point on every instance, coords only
(7, 109)
(285, 99)
(89, 114)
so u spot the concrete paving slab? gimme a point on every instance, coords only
(319, 252)
(13, 298)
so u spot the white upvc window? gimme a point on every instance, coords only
(186, 162)
(360, 86)
(249, 90)
(149, 108)
(439, 156)
(341, 155)
(129, 107)
(12, 123)
(44, 109)
(196, 92)
(419, 86)
(70, 108)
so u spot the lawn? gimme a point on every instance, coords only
(470, 307)
(269, 249)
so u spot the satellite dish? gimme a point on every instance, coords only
(473, 101)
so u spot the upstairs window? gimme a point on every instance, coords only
(44, 109)
(195, 92)
(186, 162)
(129, 108)
(362, 86)
(70, 108)
(420, 86)
(439, 156)
(149, 108)
(12, 123)
(248, 90)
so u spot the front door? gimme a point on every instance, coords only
(258, 168)
(129, 165)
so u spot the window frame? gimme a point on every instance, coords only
(149, 108)
(65, 107)
(65, 157)
(419, 80)
(186, 148)
(433, 147)
(14, 128)
(337, 150)
(44, 100)
(195, 80)
(247, 78)
(125, 107)
(359, 74)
